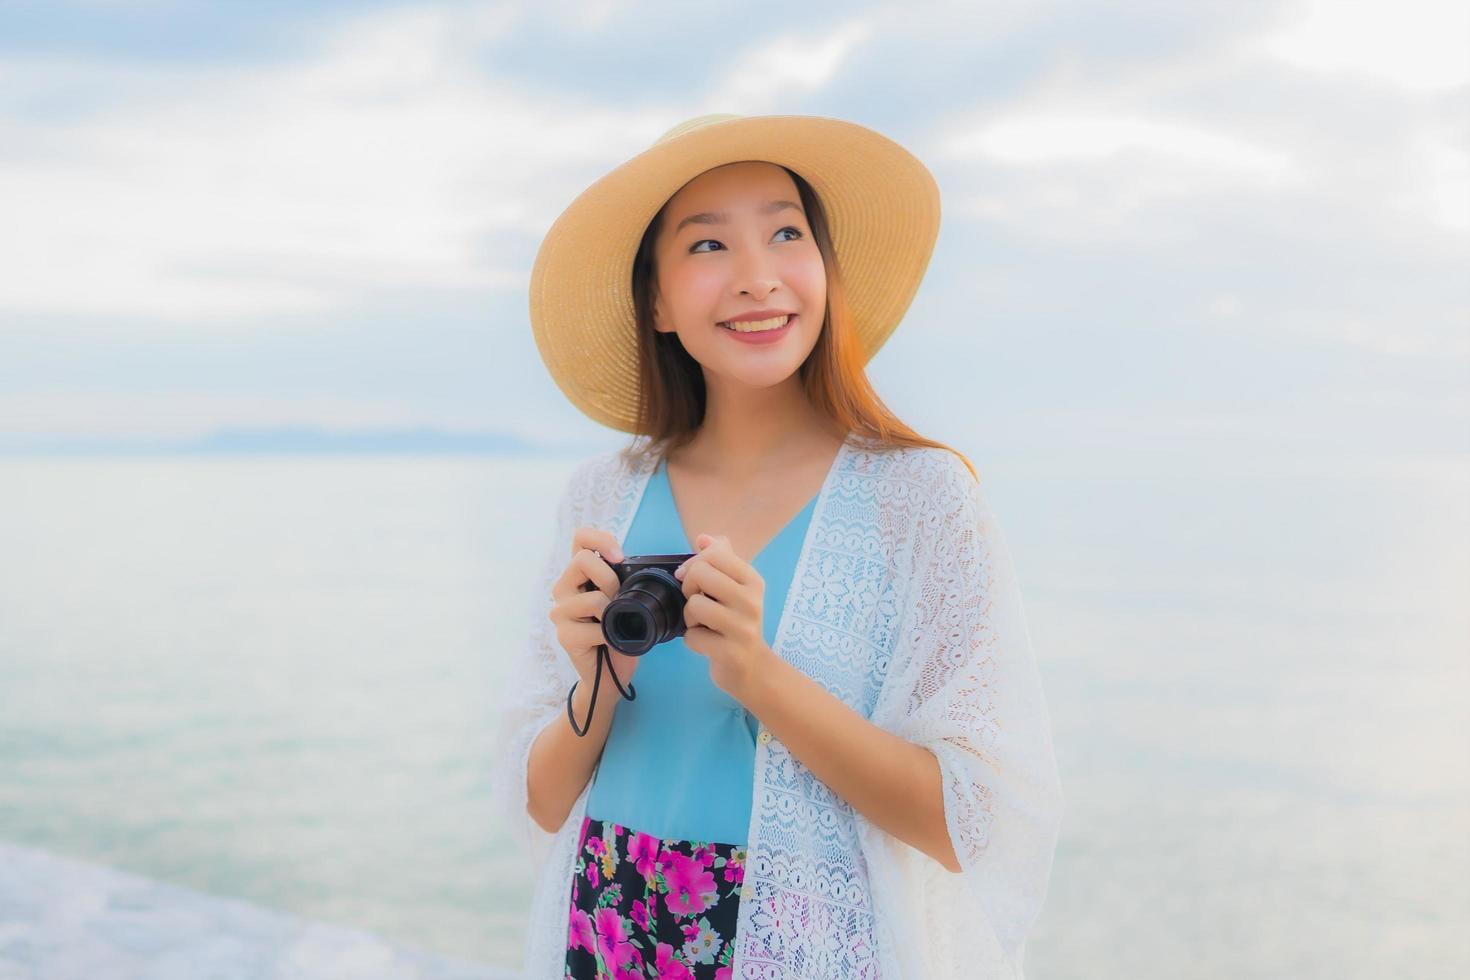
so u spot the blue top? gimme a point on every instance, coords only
(679, 762)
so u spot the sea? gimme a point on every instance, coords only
(266, 683)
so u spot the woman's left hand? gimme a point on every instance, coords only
(724, 613)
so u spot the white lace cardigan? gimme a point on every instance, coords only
(903, 604)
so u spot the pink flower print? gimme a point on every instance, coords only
(691, 887)
(581, 935)
(612, 894)
(612, 937)
(626, 962)
(723, 973)
(631, 968)
(610, 924)
(735, 867)
(639, 914)
(701, 942)
(595, 845)
(643, 852)
(705, 854)
(669, 966)
(592, 873)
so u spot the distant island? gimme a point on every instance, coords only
(305, 439)
(418, 440)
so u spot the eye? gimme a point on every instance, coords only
(791, 228)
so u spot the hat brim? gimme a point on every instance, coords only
(883, 209)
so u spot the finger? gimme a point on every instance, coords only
(702, 577)
(595, 569)
(720, 554)
(584, 606)
(701, 610)
(580, 637)
(596, 539)
(586, 566)
(699, 639)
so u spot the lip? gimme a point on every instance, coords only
(764, 337)
(760, 315)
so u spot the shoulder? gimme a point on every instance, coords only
(940, 469)
(602, 479)
(597, 468)
(587, 476)
(613, 464)
(930, 470)
(942, 495)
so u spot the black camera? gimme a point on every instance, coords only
(649, 606)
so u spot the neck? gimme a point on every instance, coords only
(750, 430)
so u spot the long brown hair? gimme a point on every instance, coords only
(671, 400)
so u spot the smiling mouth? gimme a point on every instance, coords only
(759, 326)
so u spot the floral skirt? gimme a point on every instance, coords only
(645, 907)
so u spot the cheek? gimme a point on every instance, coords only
(807, 276)
(697, 285)
(694, 297)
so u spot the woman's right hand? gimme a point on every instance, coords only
(577, 613)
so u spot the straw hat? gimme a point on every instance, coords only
(882, 207)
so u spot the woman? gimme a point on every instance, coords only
(843, 767)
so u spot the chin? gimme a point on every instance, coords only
(763, 379)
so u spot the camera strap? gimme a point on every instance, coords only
(630, 694)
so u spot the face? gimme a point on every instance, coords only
(739, 255)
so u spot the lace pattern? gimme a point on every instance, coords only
(903, 605)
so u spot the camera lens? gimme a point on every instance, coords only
(648, 610)
(631, 628)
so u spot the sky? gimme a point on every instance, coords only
(1177, 232)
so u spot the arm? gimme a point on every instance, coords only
(892, 782)
(963, 683)
(530, 762)
(561, 763)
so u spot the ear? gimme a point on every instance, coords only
(660, 323)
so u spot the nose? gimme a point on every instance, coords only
(755, 274)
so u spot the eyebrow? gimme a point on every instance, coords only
(720, 217)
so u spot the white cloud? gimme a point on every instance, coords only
(1422, 45)
(1183, 153)
(1042, 137)
(1084, 157)
(207, 196)
(769, 77)
(1441, 183)
(1111, 175)
(1105, 175)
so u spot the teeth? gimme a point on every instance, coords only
(752, 326)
